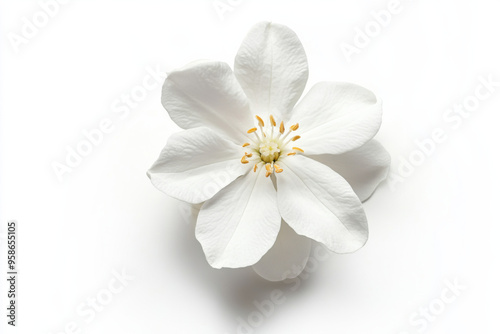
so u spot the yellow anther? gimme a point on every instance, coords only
(282, 127)
(255, 168)
(244, 160)
(298, 149)
(277, 168)
(294, 127)
(291, 153)
(261, 122)
(248, 154)
(252, 130)
(295, 138)
(273, 122)
(268, 173)
(246, 144)
(269, 168)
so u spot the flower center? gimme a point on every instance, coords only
(269, 150)
(272, 144)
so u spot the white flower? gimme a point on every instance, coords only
(260, 163)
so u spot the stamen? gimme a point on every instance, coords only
(298, 149)
(273, 122)
(248, 154)
(268, 173)
(246, 144)
(252, 130)
(282, 127)
(277, 168)
(244, 160)
(269, 167)
(289, 131)
(255, 168)
(261, 122)
(291, 153)
(291, 139)
(294, 127)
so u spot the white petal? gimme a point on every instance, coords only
(239, 224)
(364, 168)
(271, 66)
(318, 203)
(287, 258)
(195, 164)
(206, 93)
(337, 117)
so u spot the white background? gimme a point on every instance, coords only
(439, 223)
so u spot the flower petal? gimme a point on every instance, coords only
(318, 203)
(364, 168)
(206, 93)
(337, 117)
(195, 164)
(239, 224)
(287, 258)
(271, 66)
